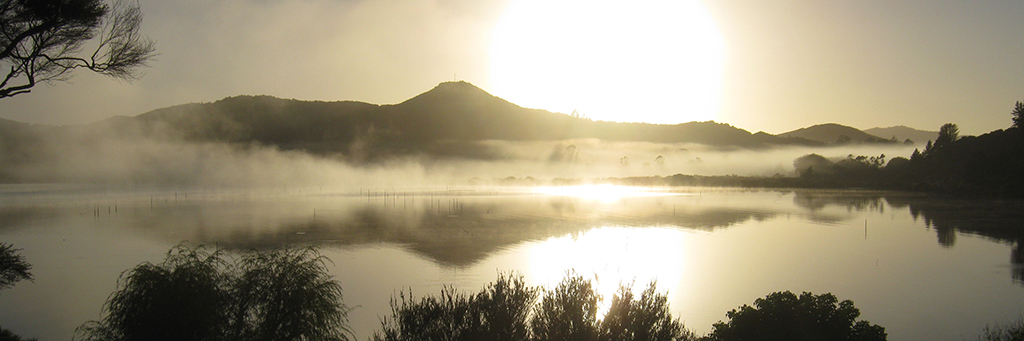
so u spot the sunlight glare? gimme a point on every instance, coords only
(656, 61)
(611, 256)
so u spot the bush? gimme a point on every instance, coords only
(785, 317)
(184, 298)
(13, 267)
(648, 318)
(195, 294)
(499, 312)
(509, 310)
(569, 312)
(1011, 332)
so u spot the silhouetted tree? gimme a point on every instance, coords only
(811, 164)
(13, 267)
(567, 313)
(7, 335)
(187, 297)
(194, 294)
(947, 134)
(41, 41)
(1018, 115)
(783, 316)
(646, 319)
(287, 294)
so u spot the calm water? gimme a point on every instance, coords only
(924, 268)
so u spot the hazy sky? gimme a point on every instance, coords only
(787, 64)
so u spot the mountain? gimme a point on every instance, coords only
(832, 133)
(903, 133)
(454, 119)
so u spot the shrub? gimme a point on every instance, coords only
(13, 267)
(499, 312)
(568, 312)
(195, 294)
(1011, 332)
(186, 297)
(648, 318)
(784, 316)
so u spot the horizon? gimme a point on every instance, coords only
(782, 66)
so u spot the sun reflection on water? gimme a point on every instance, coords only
(610, 256)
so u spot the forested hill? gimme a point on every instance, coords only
(832, 133)
(446, 120)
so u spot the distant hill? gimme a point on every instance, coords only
(832, 133)
(903, 133)
(450, 120)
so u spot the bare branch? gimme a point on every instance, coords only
(40, 41)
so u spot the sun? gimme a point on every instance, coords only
(656, 61)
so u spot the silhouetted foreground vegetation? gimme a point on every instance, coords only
(509, 310)
(1011, 332)
(784, 316)
(195, 294)
(13, 269)
(286, 294)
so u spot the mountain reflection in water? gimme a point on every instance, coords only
(710, 249)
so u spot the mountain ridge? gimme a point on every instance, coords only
(453, 119)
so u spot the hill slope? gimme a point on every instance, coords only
(449, 120)
(832, 133)
(903, 133)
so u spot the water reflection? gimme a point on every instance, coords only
(454, 229)
(612, 256)
(711, 250)
(999, 220)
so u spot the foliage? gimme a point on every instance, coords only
(812, 164)
(505, 308)
(1011, 332)
(287, 295)
(41, 41)
(1018, 115)
(948, 133)
(13, 267)
(195, 294)
(499, 312)
(645, 319)
(187, 297)
(7, 335)
(450, 316)
(785, 316)
(568, 312)
(861, 161)
(509, 310)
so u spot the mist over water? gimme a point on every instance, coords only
(120, 158)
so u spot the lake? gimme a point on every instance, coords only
(923, 267)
